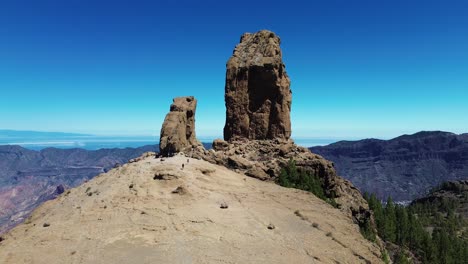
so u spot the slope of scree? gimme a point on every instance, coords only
(156, 211)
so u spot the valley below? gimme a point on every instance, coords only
(28, 178)
(405, 168)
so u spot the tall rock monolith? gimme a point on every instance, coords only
(257, 90)
(178, 129)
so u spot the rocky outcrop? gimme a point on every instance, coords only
(257, 93)
(258, 127)
(264, 159)
(178, 129)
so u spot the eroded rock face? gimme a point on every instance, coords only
(257, 92)
(178, 129)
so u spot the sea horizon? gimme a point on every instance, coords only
(91, 142)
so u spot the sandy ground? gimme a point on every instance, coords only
(127, 216)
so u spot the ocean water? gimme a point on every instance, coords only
(98, 142)
(85, 142)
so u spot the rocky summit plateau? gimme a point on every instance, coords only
(193, 205)
(152, 211)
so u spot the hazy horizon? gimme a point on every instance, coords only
(315, 135)
(37, 140)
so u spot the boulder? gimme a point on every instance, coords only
(219, 144)
(256, 172)
(237, 162)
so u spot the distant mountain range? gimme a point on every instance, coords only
(28, 177)
(405, 167)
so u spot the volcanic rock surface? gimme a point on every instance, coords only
(178, 129)
(130, 216)
(257, 93)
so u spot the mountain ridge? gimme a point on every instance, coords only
(405, 167)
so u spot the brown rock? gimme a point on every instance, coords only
(180, 190)
(236, 162)
(178, 129)
(285, 149)
(219, 144)
(257, 93)
(258, 173)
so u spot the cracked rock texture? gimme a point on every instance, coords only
(178, 129)
(257, 93)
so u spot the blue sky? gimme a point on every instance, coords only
(358, 68)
